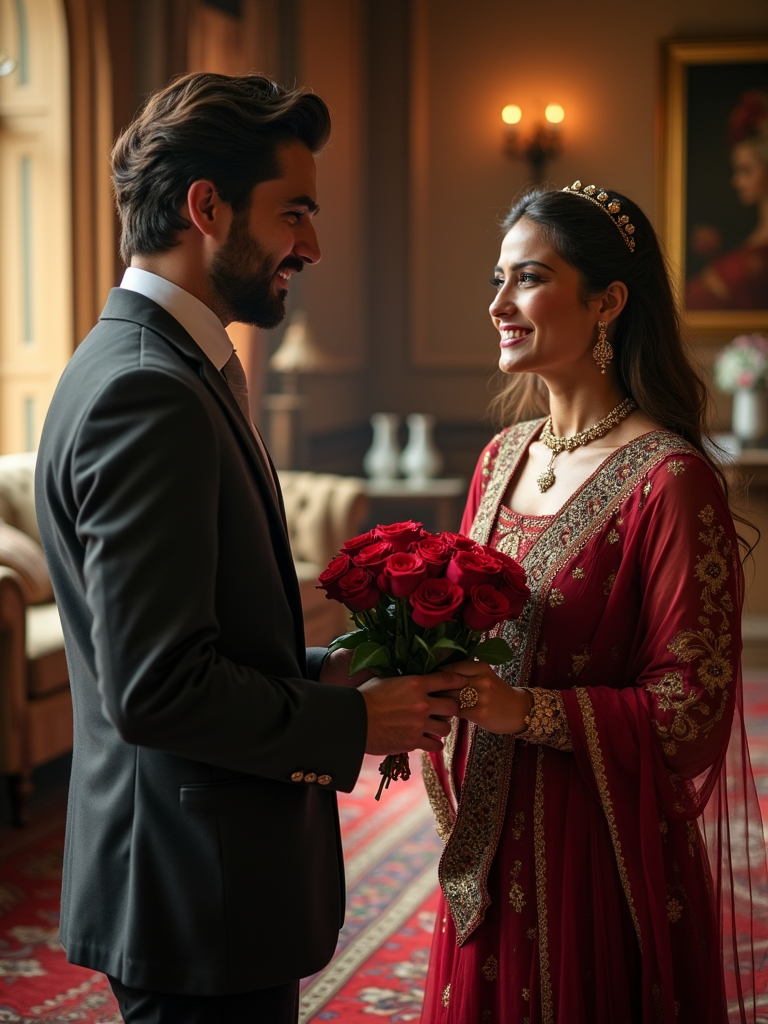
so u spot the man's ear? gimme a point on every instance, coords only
(613, 301)
(207, 210)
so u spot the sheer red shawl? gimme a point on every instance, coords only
(635, 619)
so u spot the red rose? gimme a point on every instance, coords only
(486, 608)
(401, 575)
(435, 553)
(328, 580)
(458, 541)
(435, 601)
(352, 546)
(512, 582)
(358, 590)
(400, 535)
(373, 557)
(471, 568)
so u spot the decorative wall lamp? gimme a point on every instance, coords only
(544, 142)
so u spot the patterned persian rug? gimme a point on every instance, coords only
(380, 965)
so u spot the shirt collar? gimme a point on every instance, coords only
(197, 319)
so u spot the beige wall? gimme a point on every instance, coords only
(436, 75)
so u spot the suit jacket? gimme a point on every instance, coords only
(194, 863)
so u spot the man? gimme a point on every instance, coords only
(203, 867)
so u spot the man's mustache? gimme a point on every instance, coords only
(291, 263)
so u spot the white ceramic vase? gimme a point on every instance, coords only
(420, 459)
(750, 414)
(382, 460)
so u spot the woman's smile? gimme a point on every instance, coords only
(513, 335)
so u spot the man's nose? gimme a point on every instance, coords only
(307, 247)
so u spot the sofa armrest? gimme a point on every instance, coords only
(13, 673)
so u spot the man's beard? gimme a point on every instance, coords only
(242, 273)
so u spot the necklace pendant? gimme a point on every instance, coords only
(546, 479)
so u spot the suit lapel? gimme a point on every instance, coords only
(126, 305)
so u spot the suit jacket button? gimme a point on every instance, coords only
(324, 780)
(297, 777)
(310, 777)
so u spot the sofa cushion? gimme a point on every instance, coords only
(25, 556)
(17, 492)
(46, 661)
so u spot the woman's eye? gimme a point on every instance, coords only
(528, 278)
(497, 282)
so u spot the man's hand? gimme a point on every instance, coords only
(335, 670)
(404, 715)
(500, 708)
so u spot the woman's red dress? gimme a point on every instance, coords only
(603, 869)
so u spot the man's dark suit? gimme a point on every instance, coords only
(193, 863)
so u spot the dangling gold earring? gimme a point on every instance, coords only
(602, 353)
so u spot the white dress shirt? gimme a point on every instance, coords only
(197, 319)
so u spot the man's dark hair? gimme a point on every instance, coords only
(226, 129)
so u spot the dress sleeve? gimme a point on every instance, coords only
(685, 662)
(479, 482)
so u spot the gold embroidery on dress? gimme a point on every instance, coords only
(519, 826)
(441, 807)
(693, 837)
(516, 893)
(547, 721)
(579, 661)
(531, 933)
(712, 650)
(608, 585)
(446, 994)
(578, 573)
(613, 537)
(539, 849)
(596, 757)
(474, 837)
(674, 909)
(555, 598)
(491, 968)
(676, 466)
(541, 654)
(663, 825)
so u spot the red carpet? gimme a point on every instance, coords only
(380, 966)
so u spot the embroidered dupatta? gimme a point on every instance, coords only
(633, 622)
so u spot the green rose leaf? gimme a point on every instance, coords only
(369, 655)
(494, 651)
(348, 641)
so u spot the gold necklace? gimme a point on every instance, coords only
(568, 444)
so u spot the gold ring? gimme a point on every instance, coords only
(468, 697)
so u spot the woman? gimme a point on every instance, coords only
(580, 794)
(739, 278)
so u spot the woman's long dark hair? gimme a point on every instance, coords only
(650, 362)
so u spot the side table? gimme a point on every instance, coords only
(446, 495)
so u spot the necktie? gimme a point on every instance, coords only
(234, 375)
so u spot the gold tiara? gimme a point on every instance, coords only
(612, 207)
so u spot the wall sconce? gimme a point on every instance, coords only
(544, 142)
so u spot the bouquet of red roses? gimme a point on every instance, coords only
(419, 600)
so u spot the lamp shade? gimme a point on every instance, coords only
(298, 352)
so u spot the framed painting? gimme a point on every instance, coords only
(714, 181)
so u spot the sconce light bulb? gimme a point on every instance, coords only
(511, 114)
(554, 113)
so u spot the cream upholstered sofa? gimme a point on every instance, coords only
(322, 510)
(35, 704)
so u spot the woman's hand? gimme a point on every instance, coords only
(500, 708)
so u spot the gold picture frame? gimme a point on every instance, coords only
(705, 83)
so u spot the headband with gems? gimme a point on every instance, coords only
(600, 198)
